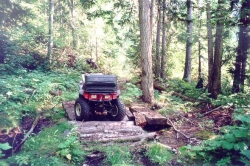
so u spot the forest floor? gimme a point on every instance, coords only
(187, 128)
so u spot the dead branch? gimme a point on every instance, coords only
(27, 135)
(168, 147)
(178, 131)
(204, 114)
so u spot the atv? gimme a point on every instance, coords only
(99, 95)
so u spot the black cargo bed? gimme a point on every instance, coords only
(95, 83)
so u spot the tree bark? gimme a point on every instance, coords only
(50, 44)
(72, 23)
(163, 51)
(146, 51)
(158, 42)
(96, 50)
(215, 83)
(243, 47)
(152, 15)
(199, 41)
(209, 43)
(188, 60)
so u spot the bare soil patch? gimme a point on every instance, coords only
(15, 136)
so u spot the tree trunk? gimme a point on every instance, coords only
(72, 25)
(146, 51)
(2, 47)
(243, 46)
(152, 15)
(96, 50)
(215, 83)
(188, 60)
(199, 41)
(158, 42)
(199, 51)
(209, 43)
(50, 44)
(163, 53)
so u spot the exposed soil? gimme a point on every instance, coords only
(14, 137)
(195, 126)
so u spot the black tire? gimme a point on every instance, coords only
(118, 111)
(82, 110)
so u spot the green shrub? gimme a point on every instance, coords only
(57, 145)
(116, 155)
(230, 146)
(130, 93)
(25, 94)
(4, 146)
(185, 88)
(158, 154)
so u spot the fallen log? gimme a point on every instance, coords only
(122, 130)
(159, 87)
(105, 131)
(102, 124)
(156, 86)
(124, 138)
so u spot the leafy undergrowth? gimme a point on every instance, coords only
(31, 94)
(36, 94)
(148, 154)
(56, 145)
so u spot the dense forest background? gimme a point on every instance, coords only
(197, 49)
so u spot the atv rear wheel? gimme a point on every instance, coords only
(118, 111)
(82, 110)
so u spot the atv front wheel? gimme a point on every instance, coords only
(118, 111)
(82, 110)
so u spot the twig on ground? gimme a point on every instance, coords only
(168, 147)
(197, 124)
(204, 114)
(178, 131)
(13, 143)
